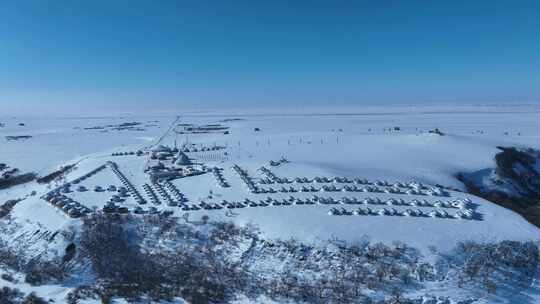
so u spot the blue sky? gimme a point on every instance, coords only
(175, 54)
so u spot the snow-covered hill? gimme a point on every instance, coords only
(358, 175)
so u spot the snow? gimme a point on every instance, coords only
(353, 143)
(316, 145)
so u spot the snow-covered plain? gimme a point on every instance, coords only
(353, 143)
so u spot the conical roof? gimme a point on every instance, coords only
(183, 159)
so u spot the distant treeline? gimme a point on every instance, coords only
(19, 137)
(17, 180)
(54, 175)
(6, 208)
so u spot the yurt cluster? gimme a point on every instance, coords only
(170, 163)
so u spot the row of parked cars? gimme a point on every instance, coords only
(161, 191)
(112, 208)
(462, 214)
(138, 153)
(151, 194)
(127, 184)
(412, 187)
(291, 200)
(88, 175)
(246, 179)
(353, 188)
(157, 187)
(174, 190)
(218, 174)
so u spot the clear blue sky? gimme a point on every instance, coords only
(69, 54)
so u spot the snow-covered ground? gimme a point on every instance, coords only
(386, 144)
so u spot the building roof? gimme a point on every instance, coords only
(183, 159)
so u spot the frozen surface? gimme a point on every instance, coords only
(352, 143)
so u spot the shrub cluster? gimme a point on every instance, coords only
(191, 270)
(15, 296)
(157, 258)
(494, 264)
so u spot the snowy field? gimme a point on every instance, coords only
(350, 174)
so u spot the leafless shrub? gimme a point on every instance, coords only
(493, 264)
(193, 271)
(39, 272)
